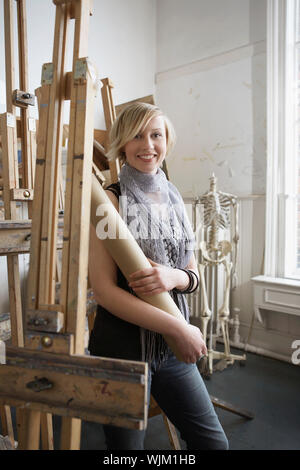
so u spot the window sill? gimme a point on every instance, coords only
(276, 294)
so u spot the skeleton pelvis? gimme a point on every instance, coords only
(215, 255)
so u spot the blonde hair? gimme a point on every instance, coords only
(131, 121)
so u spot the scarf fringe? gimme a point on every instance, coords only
(154, 346)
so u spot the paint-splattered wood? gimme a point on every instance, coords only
(109, 391)
(15, 236)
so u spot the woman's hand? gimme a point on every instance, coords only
(189, 343)
(157, 279)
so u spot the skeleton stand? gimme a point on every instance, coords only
(69, 384)
(216, 214)
(214, 253)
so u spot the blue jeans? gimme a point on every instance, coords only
(180, 392)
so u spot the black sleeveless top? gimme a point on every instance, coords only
(111, 336)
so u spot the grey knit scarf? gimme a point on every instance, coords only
(154, 212)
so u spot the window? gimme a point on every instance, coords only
(282, 251)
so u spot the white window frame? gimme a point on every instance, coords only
(281, 178)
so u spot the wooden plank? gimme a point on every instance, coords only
(27, 163)
(68, 202)
(9, 162)
(22, 45)
(108, 105)
(22, 194)
(85, 387)
(23, 224)
(146, 99)
(15, 236)
(9, 54)
(10, 180)
(101, 137)
(15, 225)
(229, 407)
(89, 5)
(32, 140)
(45, 320)
(49, 342)
(23, 99)
(112, 417)
(69, 175)
(33, 275)
(76, 365)
(21, 421)
(15, 300)
(33, 430)
(47, 431)
(6, 422)
(173, 437)
(110, 116)
(67, 88)
(99, 175)
(53, 162)
(79, 223)
(14, 241)
(70, 433)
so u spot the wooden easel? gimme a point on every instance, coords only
(17, 185)
(52, 361)
(13, 191)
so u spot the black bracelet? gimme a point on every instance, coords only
(189, 289)
(197, 281)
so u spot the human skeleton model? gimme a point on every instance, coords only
(217, 208)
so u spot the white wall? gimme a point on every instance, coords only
(211, 75)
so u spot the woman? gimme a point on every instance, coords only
(127, 327)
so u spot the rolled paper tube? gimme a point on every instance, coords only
(125, 251)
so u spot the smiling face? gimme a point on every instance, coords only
(147, 150)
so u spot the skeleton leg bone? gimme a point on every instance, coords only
(224, 310)
(205, 312)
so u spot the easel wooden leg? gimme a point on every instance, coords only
(21, 420)
(15, 301)
(70, 434)
(47, 431)
(232, 409)
(33, 426)
(173, 438)
(11, 172)
(6, 423)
